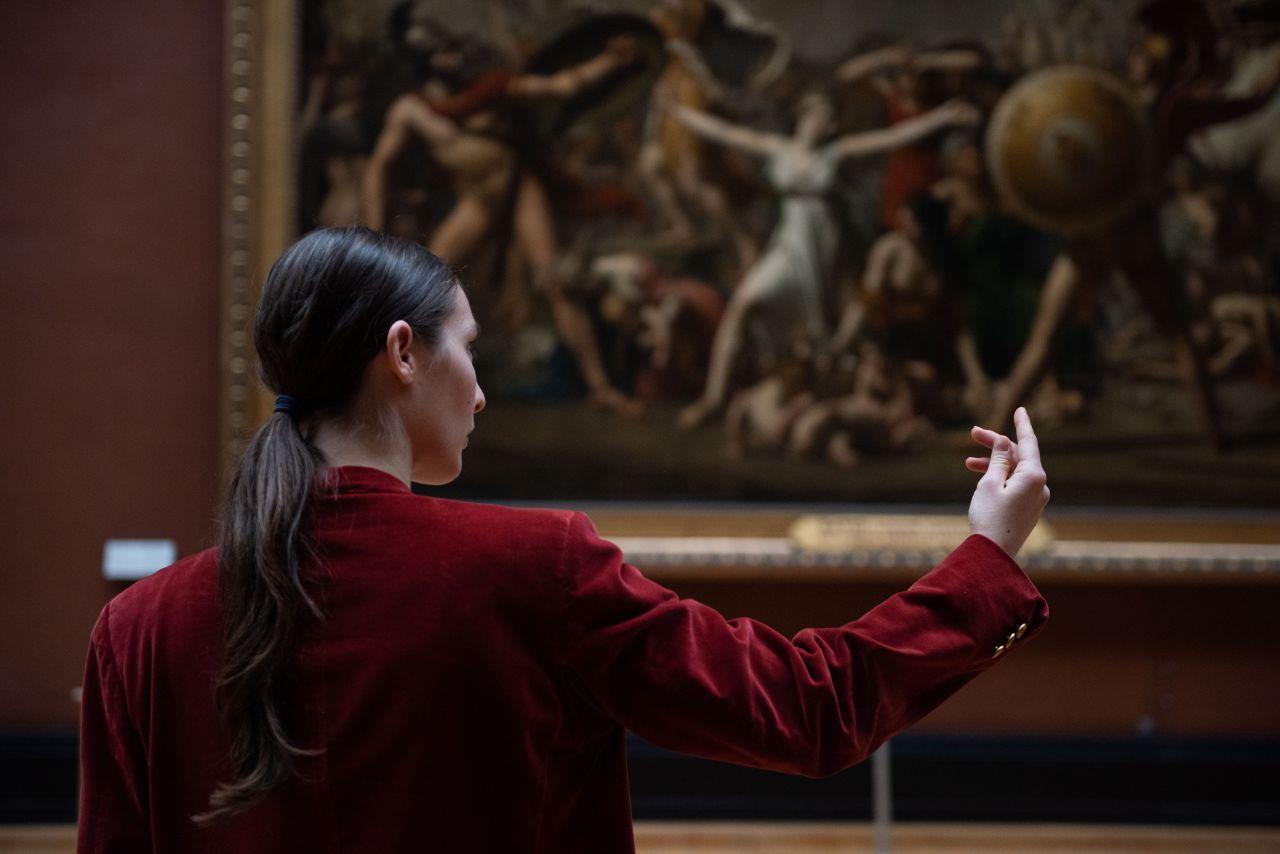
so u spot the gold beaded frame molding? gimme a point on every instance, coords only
(257, 205)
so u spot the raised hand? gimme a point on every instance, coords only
(1012, 493)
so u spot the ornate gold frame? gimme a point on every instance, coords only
(257, 204)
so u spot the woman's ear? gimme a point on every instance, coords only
(399, 352)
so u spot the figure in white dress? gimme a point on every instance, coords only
(787, 283)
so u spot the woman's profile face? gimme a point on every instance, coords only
(446, 399)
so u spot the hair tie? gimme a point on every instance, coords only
(286, 404)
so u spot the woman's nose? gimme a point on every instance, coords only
(479, 399)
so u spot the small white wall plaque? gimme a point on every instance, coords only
(129, 560)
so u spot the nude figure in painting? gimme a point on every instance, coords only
(464, 136)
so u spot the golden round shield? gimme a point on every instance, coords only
(1068, 148)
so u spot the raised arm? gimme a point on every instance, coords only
(866, 64)
(619, 52)
(1206, 112)
(950, 114)
(683, 677)
(718, 130)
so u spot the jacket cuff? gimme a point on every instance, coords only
(999, 604)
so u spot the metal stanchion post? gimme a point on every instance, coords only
(882, 800)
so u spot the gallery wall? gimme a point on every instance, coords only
(109, 251)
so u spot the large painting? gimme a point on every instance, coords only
(746, 250)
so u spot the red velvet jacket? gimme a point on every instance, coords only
(471, 684)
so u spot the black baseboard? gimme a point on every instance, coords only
(935, 778)
(38, 776)
(987, 778)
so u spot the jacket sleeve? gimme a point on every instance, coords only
(113, 766)
(683, 677)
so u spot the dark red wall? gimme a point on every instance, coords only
(109, 250)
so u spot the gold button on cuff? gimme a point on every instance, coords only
(1022, 630)
(1013, 636)
(999, 650)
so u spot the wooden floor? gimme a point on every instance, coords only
(915, 838)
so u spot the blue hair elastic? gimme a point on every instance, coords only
(286, 404)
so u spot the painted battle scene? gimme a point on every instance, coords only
(768, 251)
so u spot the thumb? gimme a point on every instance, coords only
(998, 467)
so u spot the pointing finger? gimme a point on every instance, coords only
(1028, 444)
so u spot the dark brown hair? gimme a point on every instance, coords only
(326, 306)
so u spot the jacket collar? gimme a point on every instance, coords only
(347, 480)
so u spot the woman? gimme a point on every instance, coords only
(359, 668)
(790, 278)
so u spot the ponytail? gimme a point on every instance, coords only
(264, 603)
(325, 309)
